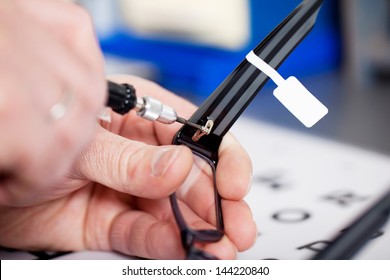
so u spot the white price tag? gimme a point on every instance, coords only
(300, 102)
(292, 94)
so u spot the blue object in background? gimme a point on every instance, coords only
(197, 69)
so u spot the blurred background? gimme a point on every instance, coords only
(190, 46)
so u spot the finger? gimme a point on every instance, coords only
(72, 74)
(239, 224)
(139, 233)
(24, 152)
(66, 61)
(66, 76)
(223, 249)
(233, 180)
(42, 227)
(66, 70)
(73, 25)
(234, 170)
(133, 167)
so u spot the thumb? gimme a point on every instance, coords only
(133, 167)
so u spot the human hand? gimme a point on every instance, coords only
(48, 55)
(116, 195)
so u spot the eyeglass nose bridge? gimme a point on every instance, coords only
(189, 237)
(208, 235)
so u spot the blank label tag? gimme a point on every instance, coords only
(300, 102)
(292, 94)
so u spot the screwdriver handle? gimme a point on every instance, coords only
(121, 98)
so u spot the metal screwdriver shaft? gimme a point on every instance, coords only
(184, 121)
(122, 98)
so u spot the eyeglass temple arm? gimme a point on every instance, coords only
(231, 98)
(351, 240)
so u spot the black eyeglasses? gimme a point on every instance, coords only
(224, 106)
(189, 236)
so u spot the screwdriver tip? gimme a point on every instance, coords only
(186, 122)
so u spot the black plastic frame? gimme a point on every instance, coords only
(225, 105)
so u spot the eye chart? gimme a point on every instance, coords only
(305, 190)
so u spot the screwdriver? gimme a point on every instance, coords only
(122, 98)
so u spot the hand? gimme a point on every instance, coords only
(115, 197)
(48, 55)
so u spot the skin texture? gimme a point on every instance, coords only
(115, 196)
(46, 55)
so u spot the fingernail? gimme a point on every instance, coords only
(163, 159)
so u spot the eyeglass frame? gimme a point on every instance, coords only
(229, 100)
(189, 236)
